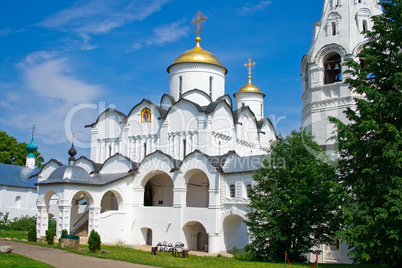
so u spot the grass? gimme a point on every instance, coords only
(164, 259)
(15, 260)
(13, 234)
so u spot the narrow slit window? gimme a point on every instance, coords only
(180, 85)
(248, 187)
(210, 86)
(364, 25)
(232, 190)
(333, 28)
(184, 148)
(145, 149)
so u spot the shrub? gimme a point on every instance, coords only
(94, 241)
(32, 234)
(63, 232)
(4, 221)
(50, 237)
(23, 223)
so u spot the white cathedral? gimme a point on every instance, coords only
(179, 170)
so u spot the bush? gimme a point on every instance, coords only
(94, 241)
(23, 223)
(32, 235)
(63, 232)
(50, 236)
(4, 221)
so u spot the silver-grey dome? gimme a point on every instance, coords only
(70, 174)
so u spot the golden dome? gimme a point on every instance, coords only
(197, 54)
(250, 88)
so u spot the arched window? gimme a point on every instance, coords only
(18, 201)
(333, 28)
(332, 69)
(232, 190)
(365, 25)
(210, 86)
(262, 110)
(146, 115)
(180, 86)
(248, 187)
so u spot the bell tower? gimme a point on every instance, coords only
(336, 37)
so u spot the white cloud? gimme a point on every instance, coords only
(251, 8)
(98, 17)
(48, 91)
(49, 76)
(168, 33)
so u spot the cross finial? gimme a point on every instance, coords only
(33, 129)
(198, 22)
(73, 137)
(249, 65)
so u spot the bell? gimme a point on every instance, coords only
(337, 67)
(328, 68)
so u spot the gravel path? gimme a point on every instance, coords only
(64, 259)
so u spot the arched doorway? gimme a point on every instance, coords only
(158, 191)
(197, 189)
(149, 237)
(79, 219)
(146, 236)
(195, 235)
(49, 212)
(235, 232)
(200, 241)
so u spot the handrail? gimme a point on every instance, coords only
(81, 218)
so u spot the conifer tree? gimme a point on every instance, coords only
(370, 145)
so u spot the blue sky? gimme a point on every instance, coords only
(63, 61)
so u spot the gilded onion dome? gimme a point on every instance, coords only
(197, 54)
(249, 87)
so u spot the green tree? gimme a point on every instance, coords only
(292, 206)
(94, 241)
(13, 152)
(370, 145)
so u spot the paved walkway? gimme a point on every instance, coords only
(64, 259)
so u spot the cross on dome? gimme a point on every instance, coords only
(198, 23)
(33, 129)
(249, 65)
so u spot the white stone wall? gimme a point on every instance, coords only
(18, 201)
(196, 76)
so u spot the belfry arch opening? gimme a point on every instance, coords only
(332, 69)
(158, 191)
(197, 189)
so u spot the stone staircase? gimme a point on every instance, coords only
(82, 230)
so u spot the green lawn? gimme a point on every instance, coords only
(15, 260)
(164, 259)
(13, 234)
